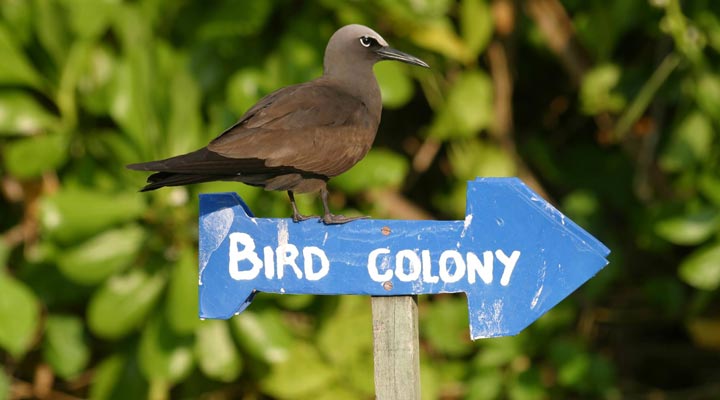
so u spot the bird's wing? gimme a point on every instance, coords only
(308, 127)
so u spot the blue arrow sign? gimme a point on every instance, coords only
(514, 255)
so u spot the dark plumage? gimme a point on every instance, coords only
(297, 137)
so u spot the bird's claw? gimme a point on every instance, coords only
(332, 219)
(301, 218)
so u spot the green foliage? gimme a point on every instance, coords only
(20, 315)
(98, 283)
(65, 347)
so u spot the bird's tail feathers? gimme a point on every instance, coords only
(162, 179)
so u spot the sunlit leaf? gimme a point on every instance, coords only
(21, 114)
(263, 335)
(17, 15)
(227, 19)
(184, 113)
(380, 168)
(244, 90)
(215, 351)
(468, 108)
(445, 326)
(474, 158)
(181, 307)
(89, 18)
(485, 384)
(4, 385)
(15, 69)
(689, 229)
(19, 315)
(163, 355)
(350, 328)
(701, 269)
(439, 35)
(98, 258)
(118, 378)
(497, 352)
(597, 90)
(476, 25)
(123, 302)
(95, 79)
(708, 95)
(30, 157)
(65, 347)
(395, 85)
(73, 214)
(690, 143)
(286, 380)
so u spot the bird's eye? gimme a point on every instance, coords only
(366, 41)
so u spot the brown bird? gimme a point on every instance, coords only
(298, 137)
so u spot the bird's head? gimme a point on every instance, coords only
(354, 46)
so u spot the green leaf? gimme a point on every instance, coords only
(19, 314)
(380, 168)
(98, 258)
(228, 20)
(709, 186)
(244, 89)
(263, 335)
(20, 114)
(95, 79)
(30, 157)
(118, 378)
(596, 90)
(17, 15)
(89, 18)
(350, 328)
(395, 85)
(123, 302)
(440, 36)
(51, 30)
(4, 385)
(65, 347)
(468, 108)
(498, 352)
(702, 268)
(708, 95)
(690, 143)
(286, 380)
(527, 386)
(476, 25)
(164, 356)
(181, 307)
(473, 158)
(15, 69)
(215, 351)
(73, 214)
(445, 326)
(184, 112)
(689, 229)
(486, 383)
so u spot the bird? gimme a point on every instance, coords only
(298, 137)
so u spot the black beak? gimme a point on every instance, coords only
(388, 53)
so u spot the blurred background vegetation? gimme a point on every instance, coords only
(609, 108)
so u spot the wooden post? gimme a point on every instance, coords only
(396, 349)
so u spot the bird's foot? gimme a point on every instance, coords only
(332, 219)
(299, 217)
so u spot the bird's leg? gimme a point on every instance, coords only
(297, 217)
(330, 218)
